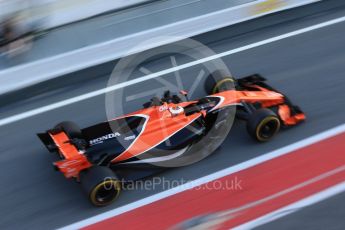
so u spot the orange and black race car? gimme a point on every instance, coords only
(100, 155)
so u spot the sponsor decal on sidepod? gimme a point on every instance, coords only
(100, 140)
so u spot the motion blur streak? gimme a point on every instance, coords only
(69, 101)
(305, 157)
(293, 207)
(265, 188)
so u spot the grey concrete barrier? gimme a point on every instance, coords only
(56, 13)
(29, 74)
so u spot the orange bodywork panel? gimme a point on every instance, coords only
(160, 125)
(285, 115)
(74, 161)
(266, 98)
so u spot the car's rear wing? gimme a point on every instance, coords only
(47, 141)
(73, 160)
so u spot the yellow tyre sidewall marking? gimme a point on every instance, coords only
(109, 183)
(264, 122)
(219, 83)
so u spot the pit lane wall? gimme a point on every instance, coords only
(13, 79)
(54, 13)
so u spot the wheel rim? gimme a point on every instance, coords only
(105, 192)
(268, 128)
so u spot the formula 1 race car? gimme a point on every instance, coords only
(97, 155)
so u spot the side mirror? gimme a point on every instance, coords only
(184, 93)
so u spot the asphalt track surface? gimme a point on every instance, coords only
(309, 68)
(324, 215)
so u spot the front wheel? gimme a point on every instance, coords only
(101, 185)
(263, 125)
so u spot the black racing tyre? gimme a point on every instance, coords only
(218, 81)
(263, 125)
(101, 185)
(223, 85)
(70, 128)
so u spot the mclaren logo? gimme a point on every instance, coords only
(100, 140)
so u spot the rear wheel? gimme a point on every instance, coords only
(263, 125)
(101, 185)
(219, 81)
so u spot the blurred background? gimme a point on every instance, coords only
(20, 21)
(56, 56)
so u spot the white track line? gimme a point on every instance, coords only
(313, 199)
(70, 101)
(214, 176)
